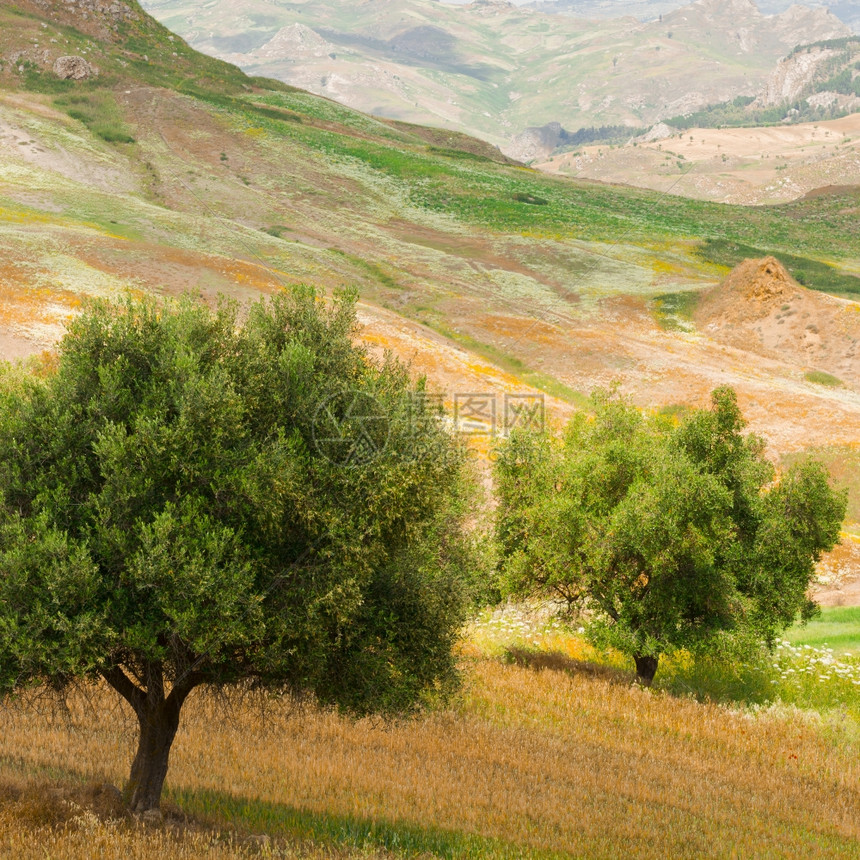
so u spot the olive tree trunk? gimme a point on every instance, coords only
(158, 727)
(158, 718)
(646, 669)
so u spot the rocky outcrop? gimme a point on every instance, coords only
(100, 19)
(73, 69)
(793, 75)
(661, 131)
(799, 25)
(535, 142)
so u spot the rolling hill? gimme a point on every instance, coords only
(493, 69)
(751, 166)
(165, 170)
(846, 10)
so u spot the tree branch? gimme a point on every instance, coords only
(180, 691)
(128, 690)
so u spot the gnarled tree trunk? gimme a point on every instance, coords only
(158, 727)
(158, 717)
(646, 669)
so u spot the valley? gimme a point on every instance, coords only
(493, 69)
(748, 166)
(559, 294)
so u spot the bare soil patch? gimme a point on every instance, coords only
(773, 164)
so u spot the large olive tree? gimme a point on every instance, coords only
(670, 535)
(189, 499)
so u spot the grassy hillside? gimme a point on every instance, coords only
(165, 173)
(547, 754)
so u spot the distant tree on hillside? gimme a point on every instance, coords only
(671, 536)
(186, 501)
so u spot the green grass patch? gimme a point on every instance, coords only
(99, 112)
(461, 154)
(838, 627)
(555, 388)
(277, 230)
(674, 311)
(372, 270)
(38, 80)
(748, 680)
(531, 199)
(820, 377)
(403, 838)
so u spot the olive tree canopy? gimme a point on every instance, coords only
(189, 500)
(671, 535)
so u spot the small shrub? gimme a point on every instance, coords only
(531, 199)
(820, 377)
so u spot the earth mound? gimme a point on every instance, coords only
(760, 308)
(752, 288)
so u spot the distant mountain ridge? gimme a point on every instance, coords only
(493, 69)
(848, 11)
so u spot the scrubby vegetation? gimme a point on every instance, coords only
(820, 377)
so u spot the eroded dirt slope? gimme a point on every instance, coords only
(762, 309)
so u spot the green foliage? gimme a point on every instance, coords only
(672, 310)
(189, 501)
(843, 43)
(671, 534)
(844, 82)
(820, 377)
(733, 114)
(98, 111)
(843, 464)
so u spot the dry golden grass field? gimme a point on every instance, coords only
(542, 757)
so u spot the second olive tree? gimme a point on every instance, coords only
(670, 535)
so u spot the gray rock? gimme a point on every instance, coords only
(152, 816)
(73, 69)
